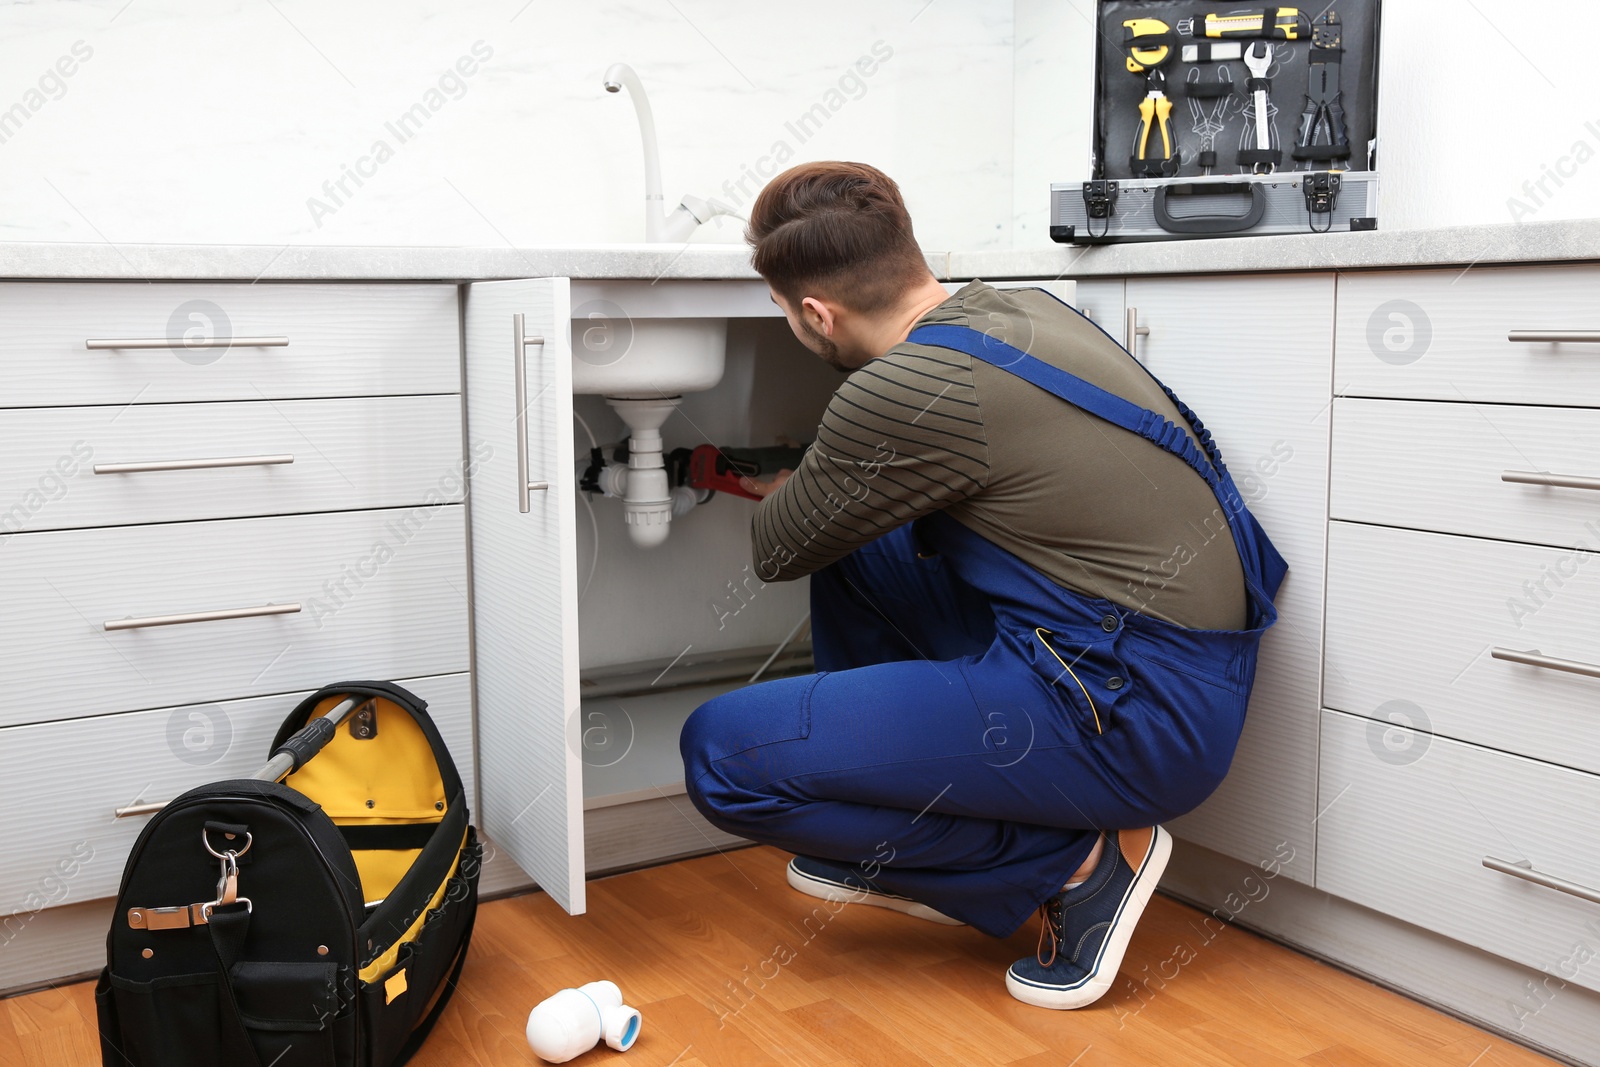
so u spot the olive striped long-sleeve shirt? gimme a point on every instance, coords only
(1095, 508)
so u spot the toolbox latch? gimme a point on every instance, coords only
(1322, 192)
(1100, 199)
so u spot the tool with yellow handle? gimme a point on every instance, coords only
(1270, 23)
(1157, 107)
(1150, 44)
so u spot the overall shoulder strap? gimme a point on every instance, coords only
(1264, 566)
(1150, 425)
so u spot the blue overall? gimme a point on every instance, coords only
(972, 725)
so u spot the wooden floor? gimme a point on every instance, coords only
(732, 968)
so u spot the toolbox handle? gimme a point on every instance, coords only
(1211, 223)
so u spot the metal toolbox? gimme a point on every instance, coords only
(1224, 121)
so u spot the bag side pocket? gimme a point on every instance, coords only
(174, 1021)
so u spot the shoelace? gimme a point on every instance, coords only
(1051, 923)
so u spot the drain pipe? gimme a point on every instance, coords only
(646, 496)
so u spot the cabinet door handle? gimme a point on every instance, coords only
(183, 342)
(191, 464)
(1564, 481)
(1132, 331)
(519, 343)
(1579, 337)
(1524, 870)
(1534, 658)
(201, 616)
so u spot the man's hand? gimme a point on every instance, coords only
(761, 489)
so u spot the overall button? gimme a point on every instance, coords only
(1109, 623)
(1114, 682)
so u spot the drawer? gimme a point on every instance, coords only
(1412, 622)
(1444, 467)
(1444, 335)
(70, 777)
(381, 594)
(343, 340)
(1407, 833)
(60, 468)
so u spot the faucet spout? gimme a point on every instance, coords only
(619, 76)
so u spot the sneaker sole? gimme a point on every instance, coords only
(826, 890)
(1116, 943)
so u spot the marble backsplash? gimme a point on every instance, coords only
(471, 122)
(448, 122)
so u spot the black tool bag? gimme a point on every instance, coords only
(318, 922)
(1218, 181)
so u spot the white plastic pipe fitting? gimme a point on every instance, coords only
(573, 1021)
(646, 499)
(613, 483)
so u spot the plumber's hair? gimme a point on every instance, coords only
(835, 230)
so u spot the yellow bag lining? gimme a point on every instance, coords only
(372, 970)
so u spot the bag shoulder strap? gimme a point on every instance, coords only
(227, 927)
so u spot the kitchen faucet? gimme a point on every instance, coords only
(691, 211)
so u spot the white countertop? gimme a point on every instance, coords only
(1533, 242)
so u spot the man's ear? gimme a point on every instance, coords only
(818, 315)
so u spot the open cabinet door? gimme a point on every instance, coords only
(524, 578)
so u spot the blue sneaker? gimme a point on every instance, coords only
(841, 881)
(1088, 927)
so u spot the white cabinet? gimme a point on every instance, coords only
(1102, 300)
(1251, 354)
(1410, 820)
(1413, 622)
(1448, 334)
(118, 465)
(524, 578)
(181, 597)
(1509, 471)
(107, 342)
(359, 593)
(1457, 779)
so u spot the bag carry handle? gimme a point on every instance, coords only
(307, 741)
(1211, 223)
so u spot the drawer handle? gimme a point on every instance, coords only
(1533, 658)
(1132, 331)
(519, 343)
(138, 809)
(95, 344)
(1564, 481)
(1580, 337)
(191, 464)
(201, 616)
(1524, 870)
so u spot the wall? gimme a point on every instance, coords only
(219, 122)
(192, 121)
